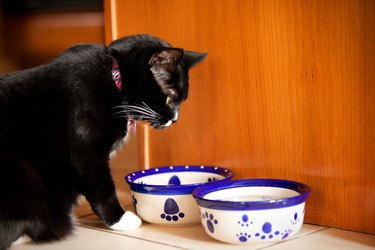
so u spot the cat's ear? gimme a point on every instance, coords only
(165, 60)
(192, 58)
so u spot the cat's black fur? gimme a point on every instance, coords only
(59, 122)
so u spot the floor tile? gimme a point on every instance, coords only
(188, 237)
(89, 239)
(330, 238)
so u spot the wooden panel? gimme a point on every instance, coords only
(35, 38)
(126, 160)
(287, 91)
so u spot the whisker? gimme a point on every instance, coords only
(141, 113)
(140, 108)
(119, 112)
(148, 107)
(135, 116)
(133, 109)
(138, 111)
(118, 107)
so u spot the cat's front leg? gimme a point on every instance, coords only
(100, 192)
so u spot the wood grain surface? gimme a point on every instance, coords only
(287, 91)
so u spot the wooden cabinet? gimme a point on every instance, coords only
(33, 38)
(287, 91)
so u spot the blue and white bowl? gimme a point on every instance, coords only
(252, 210)
(163, 195)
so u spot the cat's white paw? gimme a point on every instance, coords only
(21, 240)
(128, 221)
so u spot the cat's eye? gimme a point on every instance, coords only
(169, 100)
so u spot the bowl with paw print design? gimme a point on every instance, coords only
(163, 195)
(252, 210)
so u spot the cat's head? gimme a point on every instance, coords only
(155, 77)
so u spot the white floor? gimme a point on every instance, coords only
(91, 234)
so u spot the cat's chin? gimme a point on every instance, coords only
(162, 126)
(169, 123)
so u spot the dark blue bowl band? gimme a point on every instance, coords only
(172, 189)
(201, 191)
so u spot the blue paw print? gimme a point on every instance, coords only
(244, 222)
(286, 233)
(243, 237)
(267, 232)
(171, 211)
(174, 180)
(210, 221)
(295, 219)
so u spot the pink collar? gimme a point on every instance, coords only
(116, 76)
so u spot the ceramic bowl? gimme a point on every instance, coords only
(163, 195)
(252, 210)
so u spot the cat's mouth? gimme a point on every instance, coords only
(142, 112)
(161, 126)
(132, 124)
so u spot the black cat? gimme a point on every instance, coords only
(60, 122)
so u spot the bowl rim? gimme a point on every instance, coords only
(201, 191)
(173, 189)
